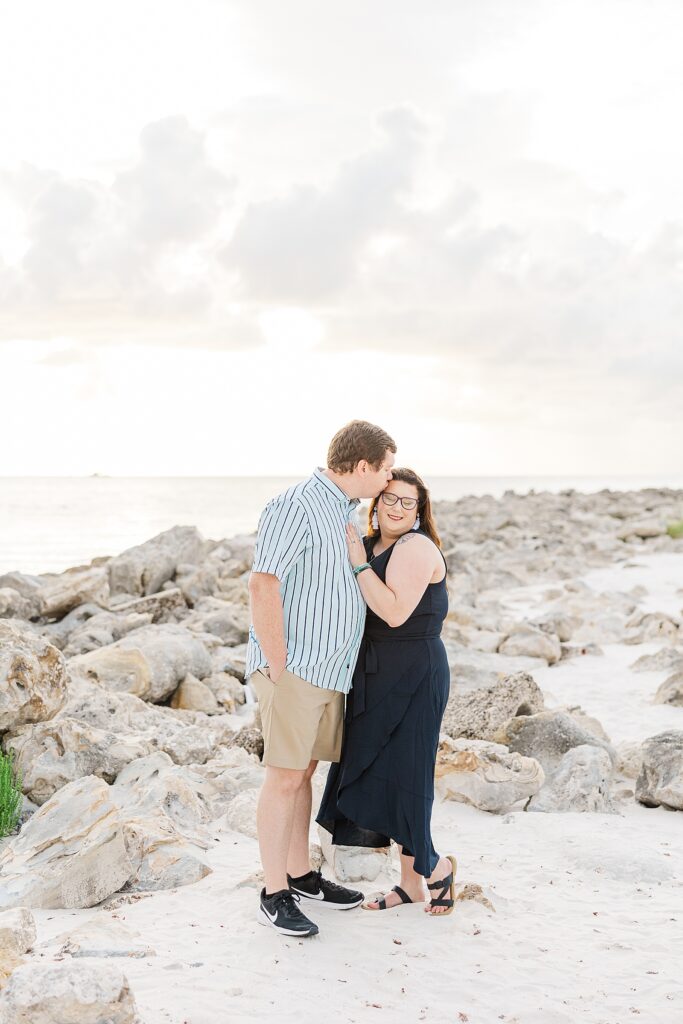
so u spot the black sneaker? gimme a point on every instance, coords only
(329, 894)
(282, 913)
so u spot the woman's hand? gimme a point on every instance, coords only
(355, 546)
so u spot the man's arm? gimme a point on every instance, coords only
(268, 620)
(283, 536)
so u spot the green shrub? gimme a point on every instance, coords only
(675, 530)
(10, 794)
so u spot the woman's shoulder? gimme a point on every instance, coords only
(421, 546)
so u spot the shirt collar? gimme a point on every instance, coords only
(333, 489)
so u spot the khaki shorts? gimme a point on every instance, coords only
(301, 722)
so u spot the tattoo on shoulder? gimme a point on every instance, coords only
(406, 537)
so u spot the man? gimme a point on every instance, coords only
(307, 616)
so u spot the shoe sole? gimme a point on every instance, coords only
(263, 919)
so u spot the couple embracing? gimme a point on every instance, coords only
(346, 660)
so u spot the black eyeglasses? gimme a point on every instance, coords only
(408, 503)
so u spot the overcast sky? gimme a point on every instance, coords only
(227, 228)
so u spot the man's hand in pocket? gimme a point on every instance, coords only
(275, 671)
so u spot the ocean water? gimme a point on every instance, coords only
(48, 524)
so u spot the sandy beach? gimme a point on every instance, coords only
(564, 917)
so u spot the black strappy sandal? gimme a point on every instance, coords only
(446, 884)
(382, 902)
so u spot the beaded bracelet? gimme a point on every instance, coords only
(359, 568)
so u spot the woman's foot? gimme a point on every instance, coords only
(391, 899)
(445, 869)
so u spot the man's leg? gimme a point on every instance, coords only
(298, 859)
(274, 822)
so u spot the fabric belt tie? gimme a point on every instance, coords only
(368, 664)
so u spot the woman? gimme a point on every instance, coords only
(383, 787)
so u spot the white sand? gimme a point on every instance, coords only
(589, 907)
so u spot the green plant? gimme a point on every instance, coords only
(10, 794)
(675, 530)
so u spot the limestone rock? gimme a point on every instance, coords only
(250, 738)
(548, 736)
(629, 759)
(664, 660)
(643, 528)
(101, 938)
(465, 891)
(587, 722)
(645, 626)
(194, 695)
(14, 605)
(485, 774)
(532, 643)
(354, 863)
(52, 754)
(581, 782)
(241, 814)
(164, 809)
(100, 630)
(480, 714)
(143, 569)
(71, 853)
(149, 662)
(68, 993)
(60, 593)
(17, 932)
(33, 677)
(227, 689)
(660, 782)
(671, 690)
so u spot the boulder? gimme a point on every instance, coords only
(548, 736)
(354, 863)
(485, 774)
(528, 642)
(666, 659)
(149, 662)
(227, 689)
(645, 626)
(71, 853)
(660, 782)
(629, 759)
(68, 993)
(143, 569)
(671, 690)
(60, 593)
(581, 782)
(17, 932)
(194, 695)
(52, 754)
(100, 938)
(480, 714)
(241, 813)
(642, 528)
(14, 605)
(33, 678)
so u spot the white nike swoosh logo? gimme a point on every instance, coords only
(311, 895)
(271, 917)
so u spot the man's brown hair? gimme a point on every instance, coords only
(356, 441)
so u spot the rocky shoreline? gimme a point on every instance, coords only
(122, 696)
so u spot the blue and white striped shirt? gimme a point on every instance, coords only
(302, 540)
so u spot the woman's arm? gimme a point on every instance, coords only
(408, 574)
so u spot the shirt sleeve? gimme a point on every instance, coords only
(283, 536)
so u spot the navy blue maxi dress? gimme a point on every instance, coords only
(383, 786)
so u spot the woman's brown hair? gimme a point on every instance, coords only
(424, 505)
